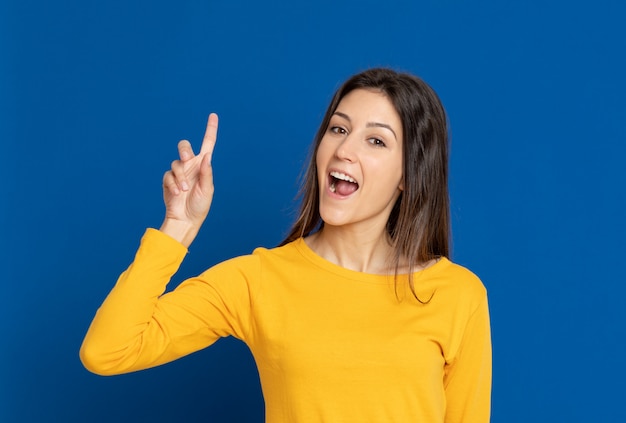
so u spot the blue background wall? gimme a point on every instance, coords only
(95, 95)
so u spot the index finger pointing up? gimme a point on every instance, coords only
(210, 136)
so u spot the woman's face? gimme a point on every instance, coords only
(359, 162)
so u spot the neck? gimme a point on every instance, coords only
(363, 251)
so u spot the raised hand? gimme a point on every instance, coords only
(188, 187)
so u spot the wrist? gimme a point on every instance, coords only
(183, 232)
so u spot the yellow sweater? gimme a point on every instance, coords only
(331, 345)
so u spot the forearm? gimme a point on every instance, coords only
(115, 341)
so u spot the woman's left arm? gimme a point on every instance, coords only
(467, 379)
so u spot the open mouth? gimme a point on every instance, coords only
(342, 184)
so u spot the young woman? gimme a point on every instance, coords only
(359, 316)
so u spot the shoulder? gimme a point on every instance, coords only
(458, 283)
(288, 255)
(260, 258)
(462, 275)
(288, 250)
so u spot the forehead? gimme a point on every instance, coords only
(368, 102)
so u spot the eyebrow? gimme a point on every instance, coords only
(369, 124)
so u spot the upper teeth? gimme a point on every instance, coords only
(342, 176)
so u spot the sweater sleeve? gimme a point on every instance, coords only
(467, 379)
(138, 326)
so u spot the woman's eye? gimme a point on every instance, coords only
(377, 142)
(337, 130)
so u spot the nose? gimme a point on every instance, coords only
(346, 150)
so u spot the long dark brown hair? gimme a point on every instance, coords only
(419, 223)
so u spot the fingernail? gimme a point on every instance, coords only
(185, 186)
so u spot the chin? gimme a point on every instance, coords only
(333, 219)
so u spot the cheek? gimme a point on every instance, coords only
(388, 175)
(320, 162)
(399, 166)
(400, 178)
(394, 182)
(322, 155)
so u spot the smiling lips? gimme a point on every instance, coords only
(342, 184)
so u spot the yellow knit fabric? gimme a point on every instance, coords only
(331, 344)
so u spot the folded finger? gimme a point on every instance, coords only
(185, 152)
(178, 172)
(169, 183)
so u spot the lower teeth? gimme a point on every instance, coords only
(332, 187)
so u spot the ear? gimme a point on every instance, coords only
(401, 186)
